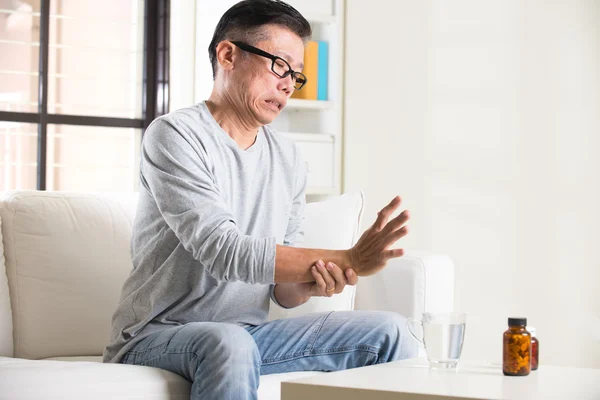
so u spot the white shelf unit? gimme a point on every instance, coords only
(299, 104)
(317, 150)
(315, 125)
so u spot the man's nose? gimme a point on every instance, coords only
(287, 84)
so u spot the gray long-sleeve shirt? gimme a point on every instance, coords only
(208, 219)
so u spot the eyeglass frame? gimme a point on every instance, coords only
(255, 50)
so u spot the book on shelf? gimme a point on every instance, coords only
(316, 69)
(322, 71)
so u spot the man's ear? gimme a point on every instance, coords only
(226, 54)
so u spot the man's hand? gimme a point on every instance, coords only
(370, 254)
(329, 280)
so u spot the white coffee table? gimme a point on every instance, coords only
(414, 380)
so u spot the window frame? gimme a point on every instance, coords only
(155, 89)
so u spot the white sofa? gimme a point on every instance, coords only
(64, 256)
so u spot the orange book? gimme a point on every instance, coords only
(311, 68)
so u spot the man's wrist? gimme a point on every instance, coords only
(350, 260)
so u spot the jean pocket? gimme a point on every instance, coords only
(153, 346)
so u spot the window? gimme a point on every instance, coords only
(80, 80)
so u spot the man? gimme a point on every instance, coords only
(221, 201)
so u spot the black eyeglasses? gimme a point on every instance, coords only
(279, 66)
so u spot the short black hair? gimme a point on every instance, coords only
(244, 22)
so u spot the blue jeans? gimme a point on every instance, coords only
(225, 361)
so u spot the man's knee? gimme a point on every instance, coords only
(217, 357)
(222, 343)
(409, 346)
(397, 343)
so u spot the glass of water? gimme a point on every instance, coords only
(443, 337)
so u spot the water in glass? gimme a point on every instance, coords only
(443, 337)
(443, 343)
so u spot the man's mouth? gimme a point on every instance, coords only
(275, 104)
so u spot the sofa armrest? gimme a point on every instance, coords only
(415, 283)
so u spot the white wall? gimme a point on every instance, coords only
(483, 115)
(182, 51)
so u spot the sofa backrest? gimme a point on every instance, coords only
(67, 255)
(6, 335)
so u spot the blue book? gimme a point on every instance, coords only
(323, 71)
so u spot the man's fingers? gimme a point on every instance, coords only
(379, 222)
(384, 214)
(397, 222)
(351, 277)
(320, 282)
(393, 253)
(393, 237)
(394, 203)
(329, 280)
(338, 275)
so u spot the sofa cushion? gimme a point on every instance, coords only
(6, 326)
(87, 378)
(49, 379)
(330, 224)
(67, 257)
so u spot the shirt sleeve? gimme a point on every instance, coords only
(294, 235)
(174, 171)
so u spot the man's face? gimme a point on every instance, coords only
(261, 92)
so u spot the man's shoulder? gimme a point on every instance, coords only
(280, 140)
(188, 122)
(185, 117)
(187, 112)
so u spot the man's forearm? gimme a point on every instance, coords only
(292, 264)
(288, 296)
